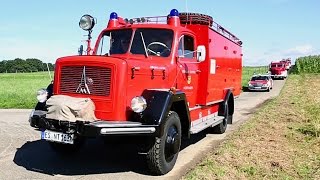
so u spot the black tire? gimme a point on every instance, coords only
(222, 127)
(163, 153)
(230, 119)
(67, 149)
(195, 18)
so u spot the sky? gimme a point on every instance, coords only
(269, 29)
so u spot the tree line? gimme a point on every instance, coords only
(27, 65)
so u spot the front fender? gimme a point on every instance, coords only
(159, 103)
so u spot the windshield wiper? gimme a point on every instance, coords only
(144, 45)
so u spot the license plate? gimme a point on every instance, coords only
(57, 137)
(258, 87)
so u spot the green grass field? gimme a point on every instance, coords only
(18, 90)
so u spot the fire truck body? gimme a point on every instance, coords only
(172, 78)
(131, 75)
(278, 70)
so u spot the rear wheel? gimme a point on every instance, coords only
(223, 110)
(163, 153)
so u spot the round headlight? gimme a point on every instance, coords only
(42, 95)
(138, 104)
(87, 22)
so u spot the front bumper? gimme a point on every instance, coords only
(258, 88)
(90, 129)
(278, 76)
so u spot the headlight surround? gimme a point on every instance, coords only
(42, 95)
(87, 22)
(138, 104)
(250, 85)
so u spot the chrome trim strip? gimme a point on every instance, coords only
(138, 130)
(208, 104)
(114, 124)
(194, 108)
(214, 102)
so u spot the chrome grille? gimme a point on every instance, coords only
(85, 80)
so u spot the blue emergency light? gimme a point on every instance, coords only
(174, 12)
(113, 15)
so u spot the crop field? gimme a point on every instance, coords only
(18, 90)
(308, 64)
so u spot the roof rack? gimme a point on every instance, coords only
(163, 20)
(148, 20)
(221, 30)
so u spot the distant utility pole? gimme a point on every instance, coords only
(49, 71)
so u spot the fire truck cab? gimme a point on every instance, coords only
(157, 77)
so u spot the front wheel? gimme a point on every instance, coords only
(162, 155)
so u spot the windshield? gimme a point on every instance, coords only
(259, 78)
(115, 42)
(277, 65)
(156, 42)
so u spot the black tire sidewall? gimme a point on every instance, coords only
(173, 119)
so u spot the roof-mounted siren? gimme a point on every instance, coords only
(113, 21)
(173, 18)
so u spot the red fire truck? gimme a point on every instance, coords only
(161, 78)
(278, 70)
(287, 63)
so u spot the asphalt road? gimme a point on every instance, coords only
(24, 156)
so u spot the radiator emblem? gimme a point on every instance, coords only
(83, 87)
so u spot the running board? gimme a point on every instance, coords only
(210, 122)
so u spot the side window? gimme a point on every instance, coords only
(186, 47)
(180, 48)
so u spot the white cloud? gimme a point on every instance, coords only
(276, 54)
(301, 50)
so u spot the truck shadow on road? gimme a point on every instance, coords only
(94, 158)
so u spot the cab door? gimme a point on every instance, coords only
(188, 68)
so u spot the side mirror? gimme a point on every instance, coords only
(201, 53)
(80, 50)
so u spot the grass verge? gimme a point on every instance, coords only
(18, 90)
(281, 141)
